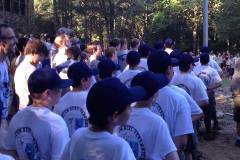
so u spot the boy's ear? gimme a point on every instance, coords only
(113, 118)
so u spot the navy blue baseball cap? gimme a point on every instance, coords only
(169, 42)
(110, 95)
(186, 59)
(46, 78)
(80, 70)
(205, 49)
(204, 58)
(150, 82)
(144, 50)
(106, 67)
(159, 61)
(133, 58)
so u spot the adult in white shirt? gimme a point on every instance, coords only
(61, 43)
(35, 51)
(172, 106)
(133, 59)
(146, 132)
(108, 104)
(212, 80)
(36, 132)
(72, 106)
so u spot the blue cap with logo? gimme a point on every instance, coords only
(160, 59)
(46, 78)
(106, 67)
(110, 95)
(150, 82)
(186, 59)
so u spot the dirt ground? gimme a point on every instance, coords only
(222, 148)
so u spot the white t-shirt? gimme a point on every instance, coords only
(5, 157)
(195, 109)
(212, 63)
(89, 145)
(215, 65)
(147, 134)
(191, 84)
(72, 108)
(143, 64)
(60, 57)
(175, 110)
(37, 133)
(168, 50)
(4, 89)
(127, 76)
(207, 74)
(65, 66)
(23, 72)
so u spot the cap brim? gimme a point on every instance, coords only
(64, 83)
(174, 61)
(137, 94)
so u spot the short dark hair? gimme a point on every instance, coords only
(169, 43)
(109, 52)
(114, 42)
(134, 42)
(3, 25)
(184, 67)
(133, 58)
(74, 51)
(35, 46)
(158, 62)
(144, 50)
(204, 58)
(22, 42)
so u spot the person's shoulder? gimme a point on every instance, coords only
(79, 133)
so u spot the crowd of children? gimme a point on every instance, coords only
(72, 101)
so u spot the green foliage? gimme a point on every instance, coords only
(150, 20)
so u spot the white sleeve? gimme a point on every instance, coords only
(59, 141)
(200, 91)
(162, 141)
(215, 77)
(126, 152)
(195, 109)
(183, 121)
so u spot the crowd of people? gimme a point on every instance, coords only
(68, 100)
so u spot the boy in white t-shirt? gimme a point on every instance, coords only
(36, 132)
(108, 104)
(146, 132)
(212, 80)
(133, 59)
(35, 51)
(171, 105)
(72, 106)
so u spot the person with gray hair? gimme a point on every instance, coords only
(235, 88)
